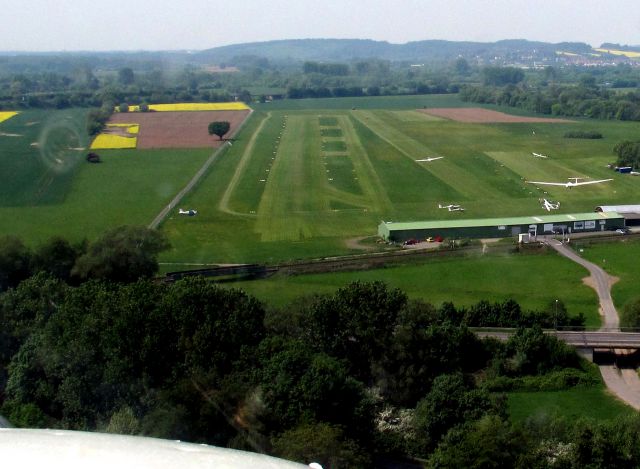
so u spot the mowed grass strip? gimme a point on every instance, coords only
(414, 116)
(341, 174)
(331, 132)
(459, 176)
(288, 214)
(534, 281)
(334, 146)
(252, 157)
(411, 190)
(373, 188)
(328, 121)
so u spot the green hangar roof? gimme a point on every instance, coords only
(502, 227)
(537, 219)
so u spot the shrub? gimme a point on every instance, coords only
(589, 134)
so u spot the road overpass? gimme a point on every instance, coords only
(600, 339)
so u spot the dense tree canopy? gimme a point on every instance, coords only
(352, 378)
(122, 254)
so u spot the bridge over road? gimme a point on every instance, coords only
(600, 339)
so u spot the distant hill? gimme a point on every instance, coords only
(348, 49)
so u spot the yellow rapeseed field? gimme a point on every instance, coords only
(4, 115)
(233, 106)
(626, 53)
(131, 128)
(112, 142)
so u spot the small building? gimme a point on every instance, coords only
(502, 227)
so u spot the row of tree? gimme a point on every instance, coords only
(584, 100)
(123, 254)
(628, 154)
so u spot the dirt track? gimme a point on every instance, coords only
(476, 115)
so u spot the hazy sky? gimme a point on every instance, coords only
(47, 25)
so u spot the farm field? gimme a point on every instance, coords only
(534, 281)
(303, 182)
(179, 129)
(47, 188)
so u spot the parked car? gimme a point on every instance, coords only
(623, 231)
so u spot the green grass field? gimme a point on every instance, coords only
(304, 176)
(534, 281)
(47, 188)
(39, 156)
(591, 402)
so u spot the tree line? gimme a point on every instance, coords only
(628, 154)
(582, 100)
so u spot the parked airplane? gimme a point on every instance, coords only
(430, 159)
(452, 207)
(189, 213)
(569, 184)
(538, 155)
(549, 205)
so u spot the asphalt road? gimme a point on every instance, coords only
(602, 282)
(624, 383)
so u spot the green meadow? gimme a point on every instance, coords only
(47, 188)
(534, 281)
(575, 403)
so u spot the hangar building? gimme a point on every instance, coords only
(631, 213)
(502, 227)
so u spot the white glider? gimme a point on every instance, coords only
(428, 160)
(568, 184)
(538, 155)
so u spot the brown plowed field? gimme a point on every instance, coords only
(179, 129)
(477, 115)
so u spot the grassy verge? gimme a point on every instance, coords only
(619, 259)
(534, 281)
(590, 402)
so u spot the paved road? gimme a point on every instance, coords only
(602, 282)
(623, 383)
